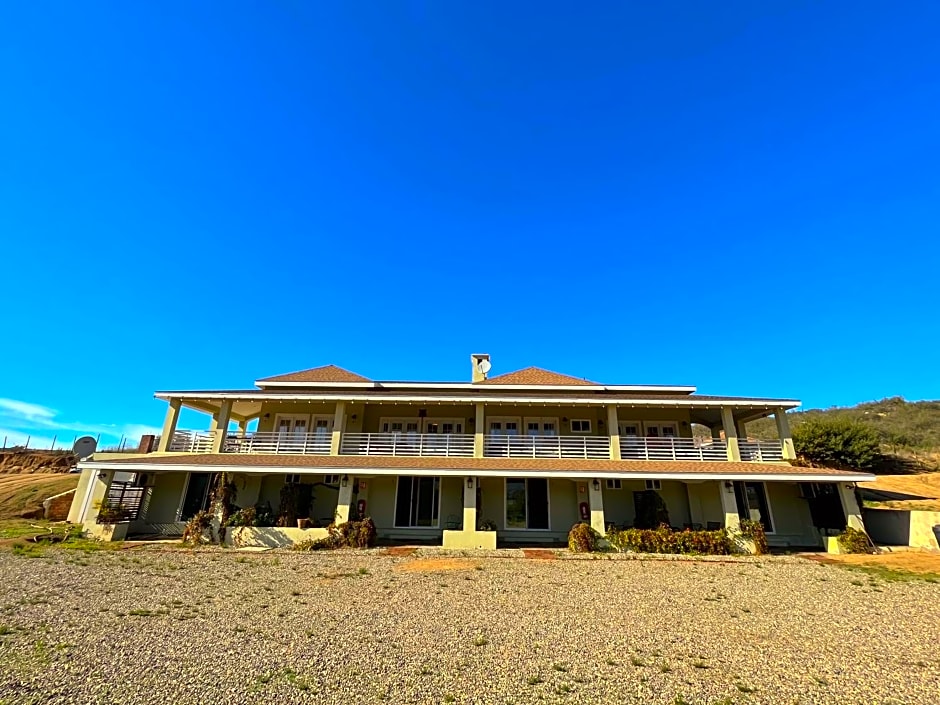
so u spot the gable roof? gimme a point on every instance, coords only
(326, 373)
(538, 376)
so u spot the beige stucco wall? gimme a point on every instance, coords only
(619, 507)
(381, 507)
(902, 527)
(166, 495)
(368, 416)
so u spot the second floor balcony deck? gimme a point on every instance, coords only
(462, 445)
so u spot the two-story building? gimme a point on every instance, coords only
(518, 457)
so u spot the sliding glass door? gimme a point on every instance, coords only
(527, 505)
(417, 503)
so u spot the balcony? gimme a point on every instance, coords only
(461, 446)
(450, 445)
(593, 447)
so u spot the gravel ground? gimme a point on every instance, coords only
(157, 625)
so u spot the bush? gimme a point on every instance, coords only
(837, 442)
(665, 540)
(854, 541)
(754, 531)
(349, 534)
(582, 538)
(197, 528)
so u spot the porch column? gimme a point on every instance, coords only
(479, 434)
(469, 504)
(783, 432)
(344, 499)
(85, 481)
(729, 505)
(596, 501)
(613, 430)
(339, 425)
(853, 514)
(243, 427)
(363, 495)
(220, 425)
(169, 424)
(731, 433)
(97, 493)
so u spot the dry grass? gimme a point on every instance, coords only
(436, 565)
(22, 495)
(905, 491)
(909, 561)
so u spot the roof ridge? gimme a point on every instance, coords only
(323, 373)
(534, 375)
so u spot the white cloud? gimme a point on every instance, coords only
(20, 420)
(25, 410)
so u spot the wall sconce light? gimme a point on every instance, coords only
(267, 416)
(849, 487)
(352, 418)
(564, 419)
(600, 423)
(345, 481)
(597, 485)
(469, 483)
(729, 486)
(102, 475)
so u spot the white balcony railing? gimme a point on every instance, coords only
(639, 448)
(595, 447)
(760, 451)
(192, 442)
(279, 442)
(408, 444)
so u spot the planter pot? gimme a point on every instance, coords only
(304, 523)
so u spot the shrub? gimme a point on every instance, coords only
(665, 540)
(854, 541)
(247, 516)
(349, 534)
(197, 528)
(837, 442)
(754, 531)
(582, 538)
(487, 525)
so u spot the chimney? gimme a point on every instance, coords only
(481, 365)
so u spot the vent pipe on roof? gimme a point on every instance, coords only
(481, 365)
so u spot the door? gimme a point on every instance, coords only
(751, 498)
(322, 433)
(500, 436)
(291, 433)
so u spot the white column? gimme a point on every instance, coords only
(853, 514)
(596, 502)
(169, 424)
(469, 504)
(783, 432)
(98, 493)
(731, 434)
(220, 425)
(339, 425)
(613, 430)
(479, 433)
(729, 506)
(344, 499)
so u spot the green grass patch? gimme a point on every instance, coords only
(892, 575)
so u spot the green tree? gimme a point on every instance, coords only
(837, 442)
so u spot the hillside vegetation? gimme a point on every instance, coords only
(909, 432)
(18, 461)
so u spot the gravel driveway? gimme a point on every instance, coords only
(219, 626)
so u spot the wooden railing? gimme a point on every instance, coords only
(278, 442)
(192, 442)
(408, 444)
(760, 451)
(596, 447)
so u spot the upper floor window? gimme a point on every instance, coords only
(292, 479)
(580, 425)
(654, 484)
(331, 479)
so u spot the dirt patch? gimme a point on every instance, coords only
(912, 561)
(539, 554)
(436, 565)
(400, 551)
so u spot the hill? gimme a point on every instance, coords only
(909, 431)
(22, 495)
(18, 461)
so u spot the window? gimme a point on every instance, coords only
(527, 503)
(292, 479)
(417, 503)
(631, 428)
(752, 503)
(661, 430)
(544, 426)
(504, 426)
(614, 484)
(654, 484)
(580, 425)
(398, 426)
(331, 479)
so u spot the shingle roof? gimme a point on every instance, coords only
(537, 376)
(326, 373)
(492, 464)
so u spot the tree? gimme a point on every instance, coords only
(837, 442)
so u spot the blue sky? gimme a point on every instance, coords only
(741, 196)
